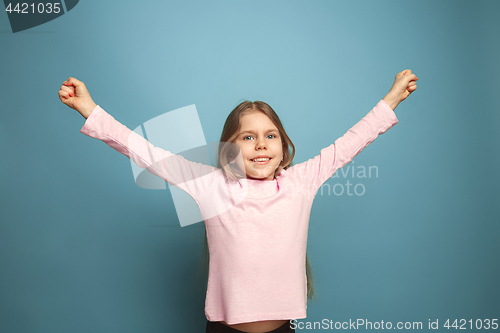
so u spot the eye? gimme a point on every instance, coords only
(245, 137)
(273, 136)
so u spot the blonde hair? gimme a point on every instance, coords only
(227, 152)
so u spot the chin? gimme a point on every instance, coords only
(262, 174)
(261, 177)
(256, 177)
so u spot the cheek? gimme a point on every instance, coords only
(279, 149)
(246, 153)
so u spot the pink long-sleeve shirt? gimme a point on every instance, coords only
(256, 230)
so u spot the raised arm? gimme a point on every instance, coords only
(381, 118)
(189, 176)
(376, 122)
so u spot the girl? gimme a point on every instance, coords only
(255, 205)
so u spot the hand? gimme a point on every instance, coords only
(404, 85)
(74, 94)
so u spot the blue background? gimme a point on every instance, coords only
(84, 249)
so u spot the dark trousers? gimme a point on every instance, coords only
(216, 327)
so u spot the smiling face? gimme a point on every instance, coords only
(260, 144)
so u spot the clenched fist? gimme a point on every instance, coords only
(74, 94)
(404, 84)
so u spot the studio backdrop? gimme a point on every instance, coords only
(406, 233)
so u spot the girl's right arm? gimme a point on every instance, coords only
(174, 169)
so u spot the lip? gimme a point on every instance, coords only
(261, 156)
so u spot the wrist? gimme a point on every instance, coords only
(392, 100)
(87, 109)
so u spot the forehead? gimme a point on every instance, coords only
(256, 120)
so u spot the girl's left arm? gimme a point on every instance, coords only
(381, 118)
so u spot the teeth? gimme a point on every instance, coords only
(260, 159)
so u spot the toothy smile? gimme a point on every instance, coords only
(262, 159)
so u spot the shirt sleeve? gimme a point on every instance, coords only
(189, 176)
(319, 169)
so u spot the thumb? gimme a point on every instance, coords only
(407, 76)
(405, 72)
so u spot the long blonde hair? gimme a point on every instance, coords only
(226, 153)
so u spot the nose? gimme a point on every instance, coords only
(261, 144)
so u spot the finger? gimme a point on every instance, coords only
(63, 95)
(70, 82)
(67, 82)
(69, 90)
(75, 82)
